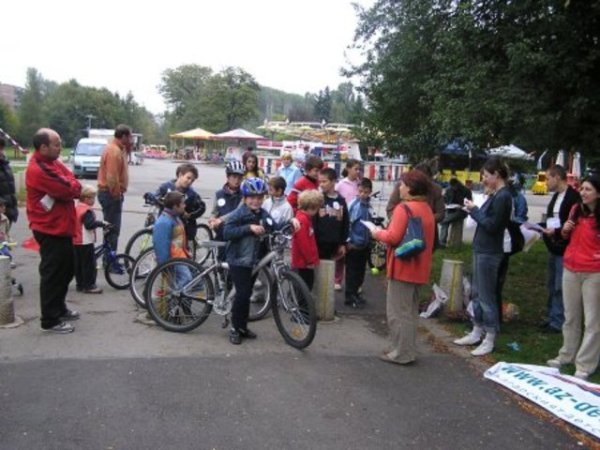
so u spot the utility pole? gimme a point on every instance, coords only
(89, 117)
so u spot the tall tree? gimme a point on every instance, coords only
(31, 113)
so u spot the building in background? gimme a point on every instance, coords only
(11, 95)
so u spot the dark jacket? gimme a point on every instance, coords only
(7, 189)
(244, 247)
(226, 201)
(556, 244)
(492, 219)
(193, 205)
(330, 229)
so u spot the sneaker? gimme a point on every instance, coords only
(555, 363)
(70, 314)
(337, 287)
(247, 334)
(61, 328)
(93, 290)
(470, 339)
(487, 346)
(235, 337)
(581, 375)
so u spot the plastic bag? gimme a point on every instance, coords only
(439, 298)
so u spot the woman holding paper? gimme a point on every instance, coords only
(406, 276)
(581, 283)
(492, 219)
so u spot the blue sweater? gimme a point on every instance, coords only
(492, 219)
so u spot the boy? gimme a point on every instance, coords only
(84, 240)
(277, 205)
(227, 199)
(358, 244)
(185, 175)
(312, 166)
(243, 229)
(168, 234)
(305, 256)
(289, 172)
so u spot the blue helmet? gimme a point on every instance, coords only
(235, 168)
(253, 186)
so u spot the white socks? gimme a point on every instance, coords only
(474, 337)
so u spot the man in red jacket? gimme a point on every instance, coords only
(51, 190)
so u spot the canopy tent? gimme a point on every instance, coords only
(195, 134)
(239, 134)
(510, 151)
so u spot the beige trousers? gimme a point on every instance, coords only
(581, 297)
(402, 317)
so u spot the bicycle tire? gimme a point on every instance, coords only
(200, 254)
(294, 310)
(171, 308)
(139, 241)
(260, 301)
(378, 256)
(140, 272)
(118, 272)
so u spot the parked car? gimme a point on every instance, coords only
(86, 157)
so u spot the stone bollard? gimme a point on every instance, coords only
(451, 284)
(455, 234)
(7, 310)
(323, 290)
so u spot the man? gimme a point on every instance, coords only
(113, 178)
(51, 190)
(557, 215)
(455, 195)
(289, 172)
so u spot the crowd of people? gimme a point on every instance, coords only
(330, 218)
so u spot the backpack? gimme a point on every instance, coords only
(413, 241)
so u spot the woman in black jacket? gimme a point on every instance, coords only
(7, 186)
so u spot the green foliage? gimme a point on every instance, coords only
(492, 72)
(8, 119)
(31, 114)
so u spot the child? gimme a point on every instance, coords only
(312, 166)
(358, 244)
(289, 172)
(227, 199)
(277, 205)
(331, 224)
(84, 240)
(243, 229)
(305, 256)
(185, 175)
(250, 162)
(168, 234)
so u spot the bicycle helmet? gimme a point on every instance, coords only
(253, 186)
(234, 168)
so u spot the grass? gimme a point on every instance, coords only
(525, 287)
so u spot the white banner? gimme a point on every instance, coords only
(567, 397)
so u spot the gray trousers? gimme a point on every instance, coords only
(402, 316)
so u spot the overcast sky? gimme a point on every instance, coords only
(294, 45)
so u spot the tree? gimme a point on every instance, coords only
(8, 119)
(322, 106)
(31, 114)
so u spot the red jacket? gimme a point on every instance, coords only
(302, 184)
(583, 251)
(51, 177)
(304, 243)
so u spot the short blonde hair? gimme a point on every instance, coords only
(310, 199)
(88, 191)
(287, 155)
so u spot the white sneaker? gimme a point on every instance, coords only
(555, 363)
(472, 338)
(581, 375)
(487, 346)
(337, 287)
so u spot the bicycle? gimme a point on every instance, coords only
(180, 294)
(117, 266)
(141, 240)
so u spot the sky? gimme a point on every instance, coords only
(292, 45)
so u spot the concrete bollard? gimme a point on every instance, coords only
(451, 284)
(455, 234)
(7, 310)
(323, 290)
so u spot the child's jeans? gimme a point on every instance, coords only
(85, 266)
(356, 264)
(243, 281)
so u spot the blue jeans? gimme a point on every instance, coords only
(484, 290)
(111, 210)
(556, 312)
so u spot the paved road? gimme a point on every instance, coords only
(119, 384)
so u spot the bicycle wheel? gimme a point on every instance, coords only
(260, 301)
(294, 310)
(140, 241)
(142, 267)
(177, 297)
(378, 255)
(203, 234)
(118, 271)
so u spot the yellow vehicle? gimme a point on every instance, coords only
(540, 187)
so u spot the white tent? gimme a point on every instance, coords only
(509, 151)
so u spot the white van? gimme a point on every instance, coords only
(86, 157)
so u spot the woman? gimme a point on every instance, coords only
(581, 283)
(406, 276)
(492, 219)
(250, 162)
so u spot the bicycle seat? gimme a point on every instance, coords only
(212, 244)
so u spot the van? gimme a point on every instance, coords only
(86, 157)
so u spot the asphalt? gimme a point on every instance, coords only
(118, 383)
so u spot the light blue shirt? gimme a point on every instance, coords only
(290, 174)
